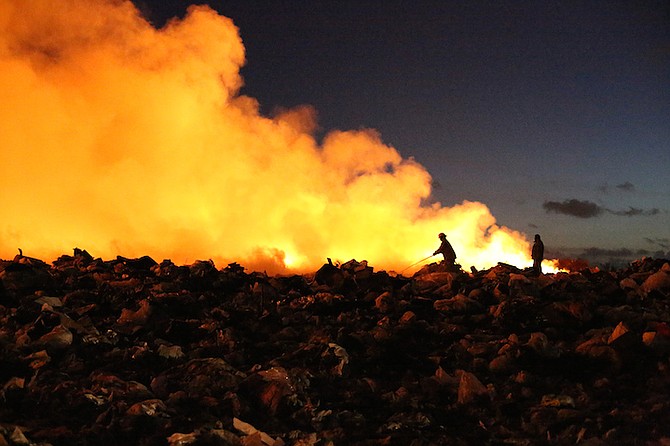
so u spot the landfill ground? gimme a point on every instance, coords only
(135, 352)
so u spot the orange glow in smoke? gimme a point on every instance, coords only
(126, 140)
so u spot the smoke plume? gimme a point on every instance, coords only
(124, 139)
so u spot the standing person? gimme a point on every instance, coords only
(537, 254)
(447, 251)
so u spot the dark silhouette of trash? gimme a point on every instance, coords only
(132, 351)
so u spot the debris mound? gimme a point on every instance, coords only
(132, 351)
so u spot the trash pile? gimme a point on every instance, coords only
(131, 351)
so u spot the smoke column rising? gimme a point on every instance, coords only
(126, 140)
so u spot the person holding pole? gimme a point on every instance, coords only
(447, 251)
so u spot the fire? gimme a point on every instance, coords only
(127, 140)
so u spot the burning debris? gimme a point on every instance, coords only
(138, 352)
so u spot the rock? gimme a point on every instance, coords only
(330, 275)
(597, 350)
(539, 342)
(59, 338)
(552, 400)
(360, 271)
(427, 283)
(249, 430)
(179, 439)
(659, 281)
(470, 389)
(170, 352)
(135, 318)
(622, 337)
(151, 408)
(407, 318)
(458, 304)
(385, 302)
(502, 364)
(25, 275)
(18, 438)
(658, 341)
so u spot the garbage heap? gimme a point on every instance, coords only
(135, 352)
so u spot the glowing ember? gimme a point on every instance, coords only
(127, 140)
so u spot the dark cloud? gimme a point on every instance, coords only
(631, 212)
(589, 209)
(623, 187)
(532, 225)
(576, 208)
(627, 186)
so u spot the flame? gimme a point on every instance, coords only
(127, 140)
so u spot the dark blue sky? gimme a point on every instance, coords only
(555, 114)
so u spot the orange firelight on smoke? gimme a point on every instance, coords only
(122, 139)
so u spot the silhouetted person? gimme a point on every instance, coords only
(447, 251)
(537, 254)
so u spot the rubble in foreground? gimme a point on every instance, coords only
(131, 351)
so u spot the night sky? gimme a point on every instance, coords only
(556, 115)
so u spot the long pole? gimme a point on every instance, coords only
(416, 263)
